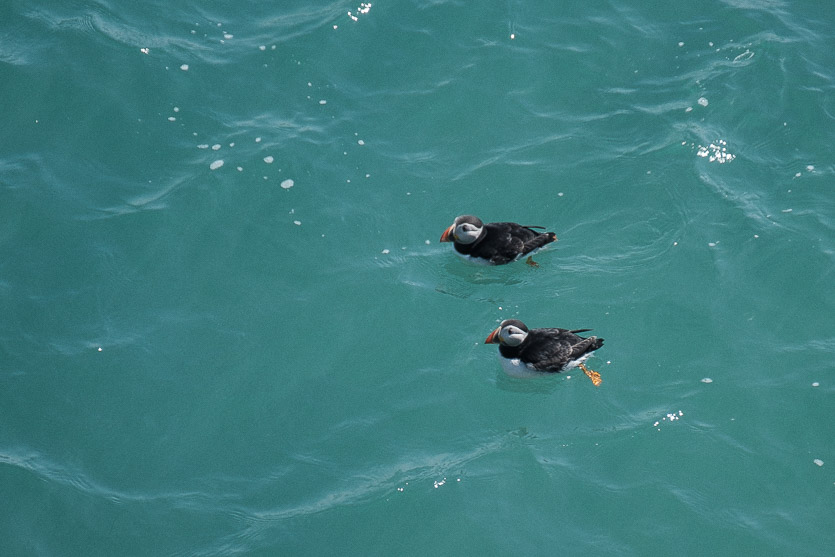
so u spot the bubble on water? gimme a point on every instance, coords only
(269, 159)
(716, 152)
(702, 101)
(670, 417)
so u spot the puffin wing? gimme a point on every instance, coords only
(548, 349)
(505, 243)
(538, 241)
(585, 346)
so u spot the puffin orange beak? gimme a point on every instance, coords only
(446, 236)
(493, 338)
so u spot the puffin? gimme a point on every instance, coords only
(528, 352)
(495, 243)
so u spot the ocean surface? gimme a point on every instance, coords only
(228, 327)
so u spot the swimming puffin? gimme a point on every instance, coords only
(494, 243)
(527, 352)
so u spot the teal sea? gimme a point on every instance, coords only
(228, 327)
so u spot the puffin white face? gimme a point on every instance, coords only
(511, 335)
(466, 233)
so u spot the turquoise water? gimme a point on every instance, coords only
(275, 355)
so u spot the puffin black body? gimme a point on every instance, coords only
(494, 243)
(524, 350)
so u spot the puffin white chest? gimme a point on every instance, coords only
(514, 367)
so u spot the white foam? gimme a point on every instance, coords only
(287, 184)
(269, 159)
(184, 67)
(216, 164)
(747, 55)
